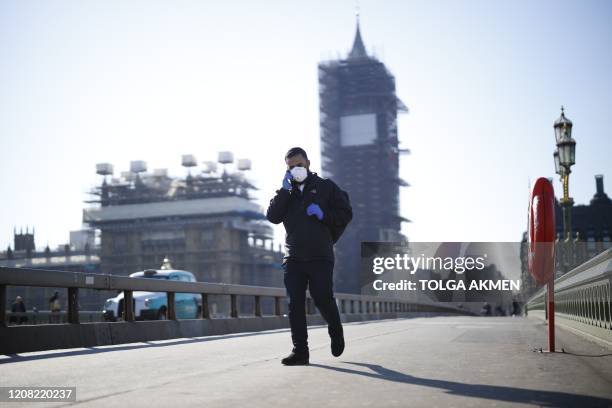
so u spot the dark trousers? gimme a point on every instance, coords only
(317, 276)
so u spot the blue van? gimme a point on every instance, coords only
(154, 305)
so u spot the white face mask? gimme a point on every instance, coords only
(299, 174)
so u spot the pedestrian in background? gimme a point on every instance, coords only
(54, 307)
(18, 307)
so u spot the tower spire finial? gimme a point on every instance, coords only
(358, 50)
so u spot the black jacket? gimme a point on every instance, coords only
(306, 237)
(18, 307)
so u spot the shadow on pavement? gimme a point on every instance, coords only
(491, 392)
(569, 353)
(15, 358)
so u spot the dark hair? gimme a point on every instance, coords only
(294, 151)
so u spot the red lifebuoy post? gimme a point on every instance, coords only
(541, 251)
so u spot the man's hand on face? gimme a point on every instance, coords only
(287, 180)
(314, 209)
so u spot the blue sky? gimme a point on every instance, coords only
(114, 81)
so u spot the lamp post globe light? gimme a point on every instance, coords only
(558, 169)
(565, 158)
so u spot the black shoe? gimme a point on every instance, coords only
(296, 358)
(337, 345)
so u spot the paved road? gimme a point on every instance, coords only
(421, 362)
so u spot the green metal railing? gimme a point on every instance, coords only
(583, 296)
(73, 281)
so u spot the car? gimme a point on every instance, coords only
(154, 305)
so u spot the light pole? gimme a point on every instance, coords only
(565, 158)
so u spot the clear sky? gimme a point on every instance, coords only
(83, 82)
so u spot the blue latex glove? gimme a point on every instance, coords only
(287, 180)
(314, 209)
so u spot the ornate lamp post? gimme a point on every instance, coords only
(565, 158)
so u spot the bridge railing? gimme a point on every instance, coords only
(583, 297)
(49, 317)
(73, 281)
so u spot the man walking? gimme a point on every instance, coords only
(314, 212)
(18, 307)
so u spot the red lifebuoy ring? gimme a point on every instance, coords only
(541, 251)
